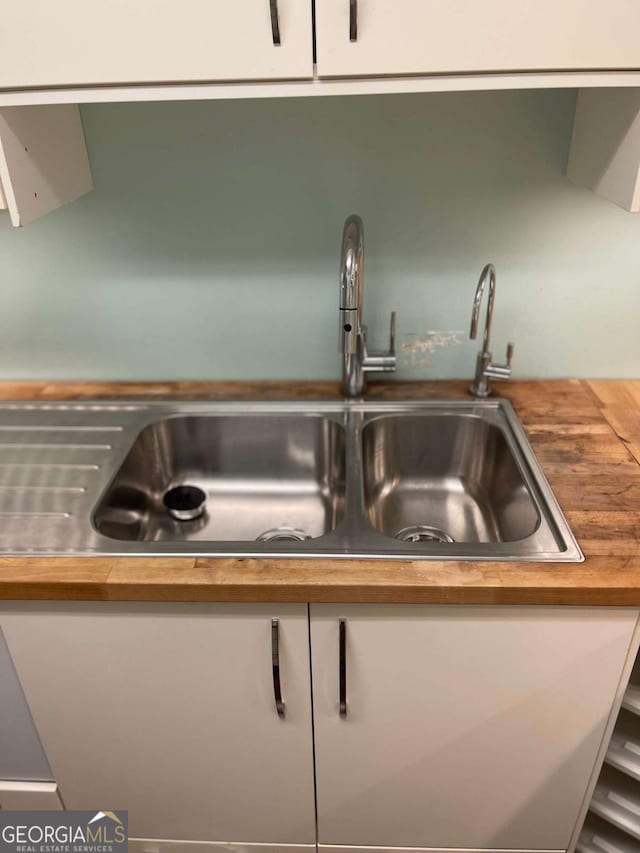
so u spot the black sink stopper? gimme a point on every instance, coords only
(185, 503)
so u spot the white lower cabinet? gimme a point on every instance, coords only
(465, 728)
(168, 710)
(473, 728)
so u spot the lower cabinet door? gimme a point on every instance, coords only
(168, 710)
(473, 728)
(29, 795)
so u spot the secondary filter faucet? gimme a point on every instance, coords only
(485, 368)
(357, 360)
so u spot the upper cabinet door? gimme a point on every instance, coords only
(387, 37)
(81, 43)
(466, 727)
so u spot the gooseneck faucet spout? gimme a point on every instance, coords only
(485, 368)
(357, 360)
(351, 283)
(487, 274)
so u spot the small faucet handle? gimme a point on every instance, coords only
(488, 370)
(382, 362)
(510, 349)
(392, 334)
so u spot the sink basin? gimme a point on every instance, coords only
(445, 478)
(434, 480)
(270, 478)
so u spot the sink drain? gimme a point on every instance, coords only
(185, 503)
(283, 534)
(423, 533)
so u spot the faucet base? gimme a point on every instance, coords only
(480, 392)
(354, 381)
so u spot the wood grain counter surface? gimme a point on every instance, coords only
(586, 435)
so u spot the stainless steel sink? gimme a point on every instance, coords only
(448, 478)
(267, 478)
(351, 478)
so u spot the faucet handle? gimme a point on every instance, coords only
(382, 362)
(392, 334)
(510, 348)
(496, 371)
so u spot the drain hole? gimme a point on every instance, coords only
(283, 534)
(423, 533)
(185, 503)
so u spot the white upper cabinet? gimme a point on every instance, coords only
(168, 710)
(402, 37)
(43, 160)
(472, 728)
(83, 43)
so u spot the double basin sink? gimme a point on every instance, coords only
(433, 480)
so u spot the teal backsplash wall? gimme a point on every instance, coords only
(210, 246)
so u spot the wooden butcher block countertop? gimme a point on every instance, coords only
(586, 436)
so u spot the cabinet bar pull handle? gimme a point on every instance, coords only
(275, 23)
(275, 666)
(353, 20)
(343, 668)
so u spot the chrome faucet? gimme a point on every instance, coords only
(357, 360)
(485, 368)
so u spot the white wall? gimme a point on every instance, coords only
(210, 246)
